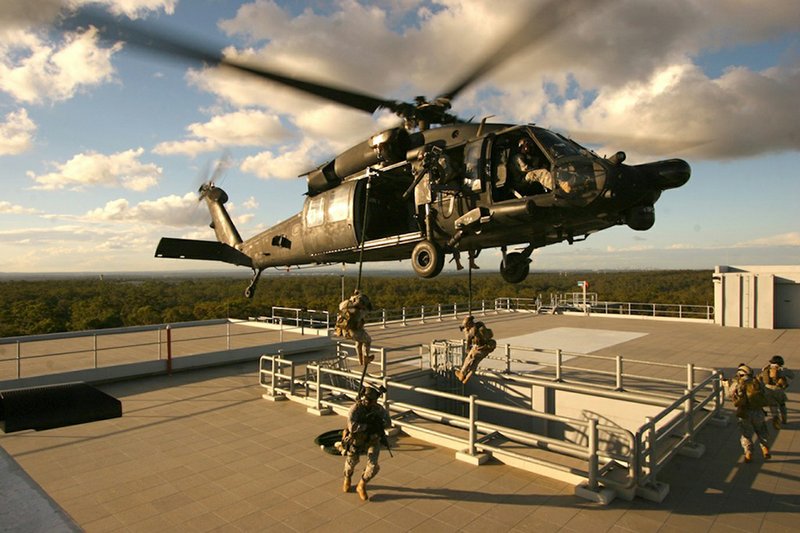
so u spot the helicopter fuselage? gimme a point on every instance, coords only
(453, 188)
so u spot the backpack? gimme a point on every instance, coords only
(484, 336)
(749, 395)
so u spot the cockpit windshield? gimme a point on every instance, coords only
(557, 146)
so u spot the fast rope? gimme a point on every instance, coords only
(469, 291)
(361, 266)
(364, 229)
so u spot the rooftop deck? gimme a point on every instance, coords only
(202, 450)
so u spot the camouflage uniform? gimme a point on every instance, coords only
(350, 324)
(749, 399)
(366, 421)
(776, 379)
(480, 344)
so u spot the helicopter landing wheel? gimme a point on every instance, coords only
(427, 259)
(515, 267)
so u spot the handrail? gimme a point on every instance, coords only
(86, 345)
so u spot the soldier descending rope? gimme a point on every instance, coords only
(350, 324)
(480, 344)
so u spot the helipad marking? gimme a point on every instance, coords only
(571, 339)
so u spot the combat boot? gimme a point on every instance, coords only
(748, 456)
(765, 451)
(346, 484)
(776, 422)
(783, 418)
(361, 489)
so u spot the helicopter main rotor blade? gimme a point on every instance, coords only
(181, 47)
(538, 25)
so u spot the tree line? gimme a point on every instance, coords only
(49, 306)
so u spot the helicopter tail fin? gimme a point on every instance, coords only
(221, 222)
(204, 250)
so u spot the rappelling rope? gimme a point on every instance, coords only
(364, 230)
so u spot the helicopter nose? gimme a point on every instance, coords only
(667, 174)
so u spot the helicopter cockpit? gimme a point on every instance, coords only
(533, 161)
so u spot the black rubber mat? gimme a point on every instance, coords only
(55, 406)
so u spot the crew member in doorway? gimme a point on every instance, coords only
(479, 343)
(776, 379)
(350, 324)
(749, 399)
(367, 421)
(531, 168)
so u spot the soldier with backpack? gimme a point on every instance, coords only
(350, 324)
(749, 399)
(776, 379)
(479, 343)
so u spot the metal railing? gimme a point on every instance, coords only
(686, 404)
(596, 307)
(34, 355)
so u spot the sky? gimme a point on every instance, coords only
(102, 147)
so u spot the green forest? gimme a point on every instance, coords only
(58, 305)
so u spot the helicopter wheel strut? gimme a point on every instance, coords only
(515, 267)
(427, 259)
(251, 289)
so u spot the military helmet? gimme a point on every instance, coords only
(776, 360)
(744, 371)
(371, 393)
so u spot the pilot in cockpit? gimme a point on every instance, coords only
(529, 169)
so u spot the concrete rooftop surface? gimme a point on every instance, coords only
(202, 451)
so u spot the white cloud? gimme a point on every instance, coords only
(122, 169)
(250, 203)
(783, 239)
(35, 71)
(288, 164)
(240, 128)
(16, 133)
(173, 210)
(9, 208)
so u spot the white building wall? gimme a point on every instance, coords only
(764, 297)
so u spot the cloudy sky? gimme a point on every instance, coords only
(102, 147)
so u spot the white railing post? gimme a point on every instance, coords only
(228, 335)
(483, 307)
(94, 348)
(455, 310)
(291, 378)
(593, 460)
(383, 362)
(422, 315)
(19, 360)
(472, 418)
(680, 311)
(158, 331)
(319, 389)
(508, 358)
(273, 379)
(383, 318)
(404, 315)
(619, 372)
(280, 322)
(690, 376)
(558, 364)
(439, 311)
(651, 446)
(687, 408)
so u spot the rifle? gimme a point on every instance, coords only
(376, 427)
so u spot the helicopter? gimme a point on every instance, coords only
(433, 186)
